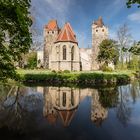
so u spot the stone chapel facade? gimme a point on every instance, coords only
(61, 51)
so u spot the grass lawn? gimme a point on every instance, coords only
(43, 71)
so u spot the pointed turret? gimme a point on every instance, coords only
(99, 22)
(52, 25)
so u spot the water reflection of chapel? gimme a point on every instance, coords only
(61, 103)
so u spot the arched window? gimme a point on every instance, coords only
(64, 99)
(72, 53)
(64, 53)
(57, 49)
(72, 98)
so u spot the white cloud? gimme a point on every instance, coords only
(44, 10)
(59, 9)
(134, 16)
(58, 5)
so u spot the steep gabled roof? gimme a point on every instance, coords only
(67, 116)
(67, 34)
(51, 118)
(52, 25)
(99, 22)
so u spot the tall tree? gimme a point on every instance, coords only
(15, 37)
(124, 40)
(130, 2)
(135, 50)
(108, 51)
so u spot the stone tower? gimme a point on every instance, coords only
(51, 31)
(99, 33)
(98, 112)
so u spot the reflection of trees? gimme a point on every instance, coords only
(135, 90)
(108, 97)
(15, 109)
(123, 109)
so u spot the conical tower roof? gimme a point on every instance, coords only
(99, 22)
(52, 25)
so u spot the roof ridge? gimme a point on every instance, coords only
(67, 32)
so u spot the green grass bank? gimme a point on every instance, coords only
(76, 78)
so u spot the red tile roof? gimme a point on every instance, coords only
(67, 34)
(67, 116)
(51, 118)
(52, 25)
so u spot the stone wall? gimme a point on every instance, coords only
(85, 54)
(56, 57)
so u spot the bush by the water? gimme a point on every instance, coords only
(53, 71)
(76, 78)
(106, 68)
(66, 71)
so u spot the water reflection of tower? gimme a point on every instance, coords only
(61, 102)
(48, 111)
(98, 112)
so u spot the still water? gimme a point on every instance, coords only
(68, 113)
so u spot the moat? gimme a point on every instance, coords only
(69, 113)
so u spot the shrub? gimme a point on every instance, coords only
(106, 68)
(66, 71)
(60, 71)
(77, 78)
(32, 60)
(53, 71)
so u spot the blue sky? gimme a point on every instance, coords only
(81, 14)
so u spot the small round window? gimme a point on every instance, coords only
(96, 30)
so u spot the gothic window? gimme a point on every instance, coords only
(64, 99)
(57, 49)
(96, 30)
(72, 53)
(64, 52)
(72, 98)
(102, 30)
(52, 32)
